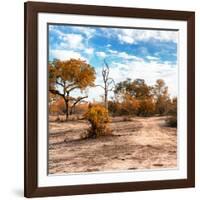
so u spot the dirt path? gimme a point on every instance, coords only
(141, 143)
(154, 132)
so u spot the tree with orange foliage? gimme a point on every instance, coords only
(146, 107)
(130, 104)
(67, 76)
(161, 95)
(136, 97)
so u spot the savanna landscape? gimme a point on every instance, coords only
(105, 116)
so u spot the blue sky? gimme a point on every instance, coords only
(130, 53)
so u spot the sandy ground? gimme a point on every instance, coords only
(142, 143)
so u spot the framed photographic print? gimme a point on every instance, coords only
(109, 99)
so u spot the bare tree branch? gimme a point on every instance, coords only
(77, 101)
(56, 92)
(59, 83)
(70, 85)
(75, 87)
(99, 86)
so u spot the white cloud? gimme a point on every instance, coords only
(112, 51)
(131, 36)
(68, 40)
(101, 54)
(126, 39)
(89, 51)
(66, 55)
(76, 40)
(73, 41)
(89, 32)
(107, 32)
(152, 58)
(124, 55)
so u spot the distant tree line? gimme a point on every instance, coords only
(135, 97)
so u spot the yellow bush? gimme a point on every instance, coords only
(98, 117)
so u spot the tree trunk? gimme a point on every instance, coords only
(72, 110)
(67, 109)
(106, 99)
(67, 106)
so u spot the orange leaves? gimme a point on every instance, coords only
(97, 114)
(98, 117)
(146, 108)
(130, 104)
(74, 72)
(57, 106)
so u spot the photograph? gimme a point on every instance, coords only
(112, 99)
(109, 99)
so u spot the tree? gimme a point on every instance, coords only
(146, 107)
(140, 90)
(108, 83)
(137, 88)
(161, 97)
(67, 76)
(122, 88)
(130, 105)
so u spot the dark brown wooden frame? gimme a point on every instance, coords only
(31, 188)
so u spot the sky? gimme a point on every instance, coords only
(130, 53)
